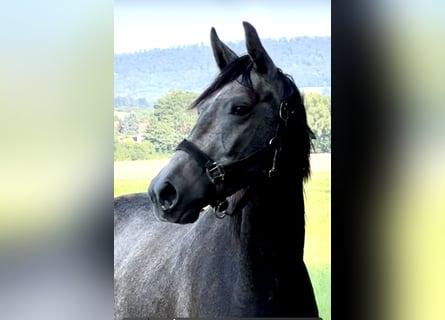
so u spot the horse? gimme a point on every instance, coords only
(220, 232)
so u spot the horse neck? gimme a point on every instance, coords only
(271, 233)
(273, 219)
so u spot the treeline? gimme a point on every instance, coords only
(142, 134)
(141, 78)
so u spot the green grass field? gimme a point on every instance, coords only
(135, 176)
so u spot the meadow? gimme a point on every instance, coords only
(135, 176)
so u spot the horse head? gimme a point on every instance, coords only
(243, 119)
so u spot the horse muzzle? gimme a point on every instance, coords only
(172, 204)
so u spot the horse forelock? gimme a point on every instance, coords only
(232, 71)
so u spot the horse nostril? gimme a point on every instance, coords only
(167, 197)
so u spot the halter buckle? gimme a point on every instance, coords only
(215, 172)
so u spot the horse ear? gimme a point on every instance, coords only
(222, 53)
(256, 51)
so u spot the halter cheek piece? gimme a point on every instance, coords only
(220, 175)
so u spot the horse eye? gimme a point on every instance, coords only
(240, 109)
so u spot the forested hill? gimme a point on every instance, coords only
(143, 77)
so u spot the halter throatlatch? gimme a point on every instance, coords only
(219, 174)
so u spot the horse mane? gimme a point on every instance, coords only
(301, 133)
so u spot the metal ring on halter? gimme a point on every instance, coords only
(275, 143)
(221, 209)
(283, 112)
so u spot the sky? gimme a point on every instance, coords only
(144, 25)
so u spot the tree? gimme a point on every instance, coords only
(151, 73)
(130, 124)
(170, 121)
(318, 108)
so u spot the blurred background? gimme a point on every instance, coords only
(56, 164)
(388, 153)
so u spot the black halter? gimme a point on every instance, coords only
(220, 175)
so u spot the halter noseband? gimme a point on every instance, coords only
(218, 173)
